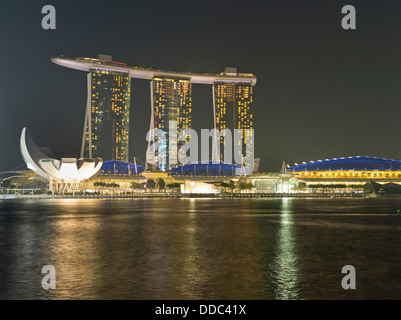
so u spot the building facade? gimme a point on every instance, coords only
(108, 121)
(233, 110)
(172, 101)
(107, 117)
(346, 173)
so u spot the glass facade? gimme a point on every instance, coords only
(120, 167)
(110, 106)
(206, 169)
(172, 101)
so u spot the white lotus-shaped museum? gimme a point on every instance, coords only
(66, 170)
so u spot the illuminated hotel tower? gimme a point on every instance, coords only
(106, 128)
(107, 114)
(171, 102)
(233, 109)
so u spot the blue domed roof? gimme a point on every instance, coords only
(348, 163)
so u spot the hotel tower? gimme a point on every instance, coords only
(172, 101)
(233, 110)
(106, 127)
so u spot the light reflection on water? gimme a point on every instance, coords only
(285, 269)
(200, 249)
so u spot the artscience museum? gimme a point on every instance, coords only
(64, 174)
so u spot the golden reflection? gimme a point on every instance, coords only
(72, 278)
(193, 277)
(286, 263)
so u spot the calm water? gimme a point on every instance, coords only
(200, 248)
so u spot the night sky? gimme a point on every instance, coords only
(322, 91)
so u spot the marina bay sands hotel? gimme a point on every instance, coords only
(106, 126)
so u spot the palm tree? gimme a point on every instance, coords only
(161, 184)
(151, 184)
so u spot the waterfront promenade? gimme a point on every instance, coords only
(224, 195)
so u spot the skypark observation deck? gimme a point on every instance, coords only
(87, 64)
(109, 93)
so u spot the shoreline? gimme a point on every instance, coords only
(187, 196)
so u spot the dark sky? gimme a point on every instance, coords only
(322, 91)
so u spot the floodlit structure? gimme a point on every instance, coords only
(346, 172)
(195, 187)
(107, 115)
(64, 174)
(208, 169)
(108, 104)
(120, 168)
(356, 163)
(274, 182)
(233, 110)
(171, 102)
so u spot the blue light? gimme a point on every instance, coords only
(120, 167)
(350, 163)
(206, 169)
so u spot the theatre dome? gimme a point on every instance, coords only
(348, 163)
